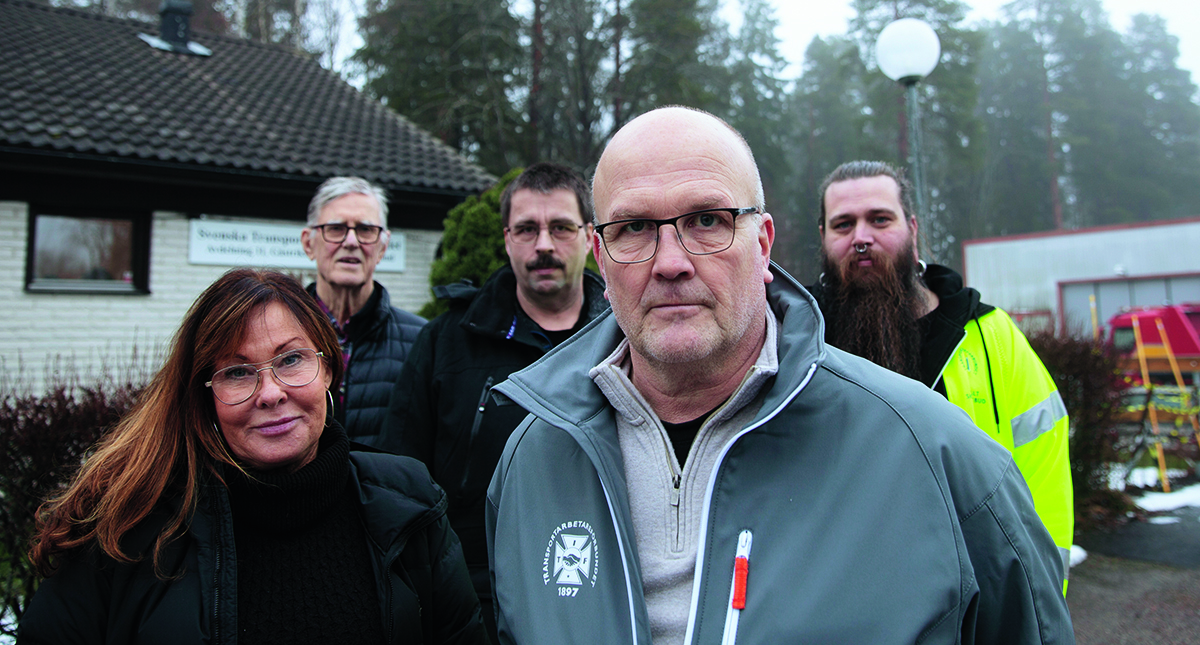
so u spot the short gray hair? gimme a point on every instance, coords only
(335, 187)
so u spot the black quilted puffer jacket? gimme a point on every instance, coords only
(378, 339)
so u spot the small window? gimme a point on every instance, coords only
(1123, 339)
(88, 251)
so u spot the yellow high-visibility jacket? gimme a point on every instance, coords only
(1001, 383)
(973, 353)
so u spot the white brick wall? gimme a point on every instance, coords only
(46, 337)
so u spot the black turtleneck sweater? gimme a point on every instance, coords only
(304, 571)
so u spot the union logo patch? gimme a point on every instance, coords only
(571, 558)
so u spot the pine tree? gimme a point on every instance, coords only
(452, 66)
(831, 125)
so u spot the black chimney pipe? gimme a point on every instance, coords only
(176, 26)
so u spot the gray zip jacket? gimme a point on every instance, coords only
(856, 507)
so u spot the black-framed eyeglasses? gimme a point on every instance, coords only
(629, 241)
(237, 383)
(528, 233)
(336, 233)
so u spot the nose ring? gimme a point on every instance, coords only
(860, 248)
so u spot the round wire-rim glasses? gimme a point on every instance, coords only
(528, 233)
(237, 383)
(336, 233)
(702, 232)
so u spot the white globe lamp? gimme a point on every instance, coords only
(907, 50)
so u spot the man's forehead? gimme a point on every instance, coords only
(559, 204)
(355, 207)
(878, 192)
(665, 146)
(673, 182)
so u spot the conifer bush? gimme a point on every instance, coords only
(472, 245)
(43, 440)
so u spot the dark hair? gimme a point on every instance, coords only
(169, 439)
(861, 170)
(544, 177)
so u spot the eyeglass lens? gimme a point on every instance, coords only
(701, 233)
(527, 233)
(366, 233)
(295, 368)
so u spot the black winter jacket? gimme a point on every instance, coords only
(424, 590)
(440, 410)
(379, 339)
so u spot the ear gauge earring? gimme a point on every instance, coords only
(921, 267)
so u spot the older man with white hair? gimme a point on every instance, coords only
(699, 467)
(347, 236)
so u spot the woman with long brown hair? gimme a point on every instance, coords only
(228, 506)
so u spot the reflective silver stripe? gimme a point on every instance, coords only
(1030, 425)
(1065, 554)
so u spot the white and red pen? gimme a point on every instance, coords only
(737, 591)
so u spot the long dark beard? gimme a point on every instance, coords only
(873, 311)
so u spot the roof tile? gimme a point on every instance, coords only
(78, 81)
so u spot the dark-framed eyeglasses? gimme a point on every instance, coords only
(528, 233)
(336, 233)
(237, 383)
(629, 241)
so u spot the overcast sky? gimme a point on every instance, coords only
(800, 21)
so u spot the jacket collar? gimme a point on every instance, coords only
(557, 387)
(493, 310)
(944, 326)
(364, 321)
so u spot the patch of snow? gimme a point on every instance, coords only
(1189, 496)
(1165, 519)
(1078, 554)
(1139, 477)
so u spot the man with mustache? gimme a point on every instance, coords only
(440, 410)
(882, 303)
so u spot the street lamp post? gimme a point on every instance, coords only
(907, 51)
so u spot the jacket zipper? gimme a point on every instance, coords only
(737, 587)
(487, 387)
(676, 480)
(702, 546)
(392, 555)
(217, 593)
(612, 513)
(948, 360)
(391, 592)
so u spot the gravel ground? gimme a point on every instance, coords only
(1116, 601)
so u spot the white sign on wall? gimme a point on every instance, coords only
(226, 243)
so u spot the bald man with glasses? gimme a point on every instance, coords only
(699, 467)
(441, 411)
